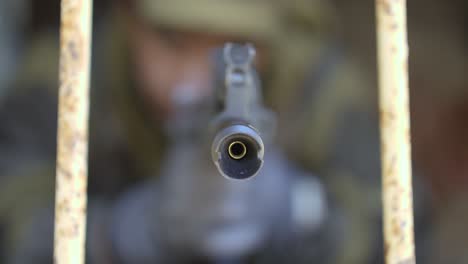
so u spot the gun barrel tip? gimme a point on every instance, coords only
(238, 152)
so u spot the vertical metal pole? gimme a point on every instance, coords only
(72, 141)
(395, 131)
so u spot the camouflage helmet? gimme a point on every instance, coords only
(259, 19)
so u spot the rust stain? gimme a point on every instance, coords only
(393, 26)
(386, 249)
(386, 6)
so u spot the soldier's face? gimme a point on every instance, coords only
(170, 64)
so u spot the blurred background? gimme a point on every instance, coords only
(334, 217)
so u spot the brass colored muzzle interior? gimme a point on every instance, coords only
(237, 150)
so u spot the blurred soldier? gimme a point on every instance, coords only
(155, 196)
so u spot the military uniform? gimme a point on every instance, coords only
(152, 195)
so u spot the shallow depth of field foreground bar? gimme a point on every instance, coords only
(72, 138)
(395, 131)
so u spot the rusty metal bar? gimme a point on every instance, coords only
(72, 139)
(395, 131)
